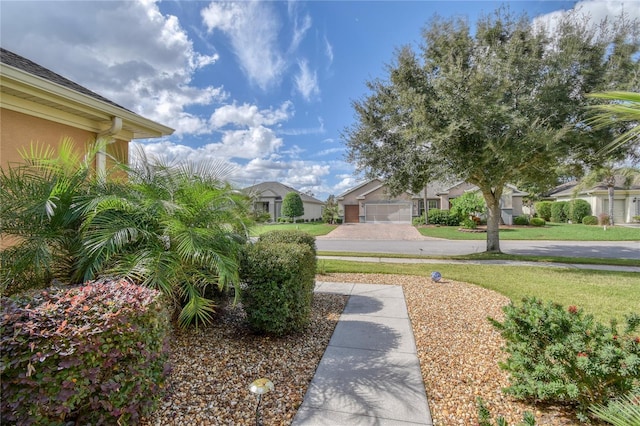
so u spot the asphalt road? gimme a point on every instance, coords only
(603, 249)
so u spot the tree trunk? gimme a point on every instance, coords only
(610, 190)
(492, 198)
(426, 210)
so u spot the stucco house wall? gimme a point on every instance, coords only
(268, 196)
(373, 194)
(39, 106)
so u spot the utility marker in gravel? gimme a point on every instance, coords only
(370, 372)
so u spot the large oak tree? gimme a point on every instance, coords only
(502, 104)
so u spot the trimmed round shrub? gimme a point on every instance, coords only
(521, 220)
(95, 354)
(278, 281)
(590, 220)
(578, 209)
(537, 221)
(291, 236)
(559, 212)
(419, 220)
(543, 208)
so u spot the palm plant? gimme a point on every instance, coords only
(39, 218)
(624, 108)
(175, 227)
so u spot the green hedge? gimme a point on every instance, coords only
(443, 217)
(278, 279)
(521, 220)
(578, 209)
(543, 209)
(559, 210)
(590, 220)
(290, 236)
(95, 354)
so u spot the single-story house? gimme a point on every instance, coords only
(268, 196)
(372, 202)
(626, 199)
(39, 106)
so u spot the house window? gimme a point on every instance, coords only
(431, 204)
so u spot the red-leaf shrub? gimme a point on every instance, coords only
(95, 354)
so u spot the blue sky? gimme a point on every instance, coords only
(265, 86)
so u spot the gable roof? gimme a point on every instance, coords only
(280, 190)
(568, 188)
(24, 82)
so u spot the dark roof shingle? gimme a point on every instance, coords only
(14, 60)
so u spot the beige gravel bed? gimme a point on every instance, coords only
(457, 347)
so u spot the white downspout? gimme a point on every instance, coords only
(107, 136)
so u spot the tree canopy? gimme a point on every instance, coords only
(502, 105)
(292, 206)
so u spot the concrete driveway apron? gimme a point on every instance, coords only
(373, 231)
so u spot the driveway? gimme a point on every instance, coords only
(374, 231)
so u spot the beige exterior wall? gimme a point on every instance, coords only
(18, 131)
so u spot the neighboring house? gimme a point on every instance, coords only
(268, 196)
(626, 200)
(40, 106)
(371, 202)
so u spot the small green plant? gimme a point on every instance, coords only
(419, 220)
(95, 354)
(623, 411)
(468, 223)
(589, 220)
(537, 221)
(484, 416)
(521, 220)
(564, 356)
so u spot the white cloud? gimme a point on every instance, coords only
(307, 81)
(305, 131)
(255, 142)
(252, 28)
(127, 51)
(299, 31)
(328, 50)
(249, 115)
(596, 10)
(329, 151)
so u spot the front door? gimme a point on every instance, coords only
(351, 214)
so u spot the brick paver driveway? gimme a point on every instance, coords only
(373, 231)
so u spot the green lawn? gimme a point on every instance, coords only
(551, 231)
(315, 229)
(492, 256)
(604, 294)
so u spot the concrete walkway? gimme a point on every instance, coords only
(369, 373)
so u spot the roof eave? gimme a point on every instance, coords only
(142, 127)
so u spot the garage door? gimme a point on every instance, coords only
(618, 210)
(393, 213)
